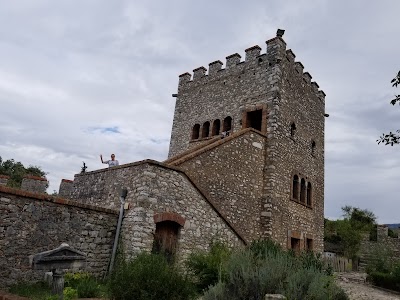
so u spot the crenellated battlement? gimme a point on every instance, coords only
(254, 58)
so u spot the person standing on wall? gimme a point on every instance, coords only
(111, 163)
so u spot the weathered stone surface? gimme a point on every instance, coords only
(44, 226)
(34, 184)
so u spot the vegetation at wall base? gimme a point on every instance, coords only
(382, 271)
(149, 277)
(265, 268)
(206, 268)
(35, 291)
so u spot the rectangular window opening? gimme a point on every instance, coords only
(254, 119)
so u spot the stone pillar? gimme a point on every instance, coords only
(57, 286)
(34, 184)
(4, 179)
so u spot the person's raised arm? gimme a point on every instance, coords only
(101, 157)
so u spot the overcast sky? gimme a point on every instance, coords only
(81, 78)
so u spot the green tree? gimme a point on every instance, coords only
(348, 233)
(17, 171)
(392, 138)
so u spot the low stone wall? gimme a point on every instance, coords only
(31, 223)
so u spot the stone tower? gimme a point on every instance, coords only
(277, 192)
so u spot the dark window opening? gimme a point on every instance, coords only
(196, 132)
(206, 130)
(309, 244)
(292, 129)
(227, 124)
(309, 194)
(166, 239)
(254, 119)
(216, 127)
(295, 245)
(295, 191)
(303, 191)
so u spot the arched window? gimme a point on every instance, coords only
(313, 146)
(309, 194)
(216, 127)
(303, 191)
(196, 132)
(227, 124)
(295, 188)
(166, 239)
(292, 129)
(206, 130)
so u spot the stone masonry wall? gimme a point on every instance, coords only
(161, 190)
(155, 188)
(297, 101)
(66, 188)
(383, 244)
(240, 86)
(230, 171)
(31, 223)
(34, 184)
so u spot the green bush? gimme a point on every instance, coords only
(385, 280)
(207, 267)
(149, 277)
(85, 284)
(69, 293)
(264, 268)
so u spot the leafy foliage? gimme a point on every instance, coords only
(84, 283)
(207, 267)
(17, 171)
(392, 138)
(348, 233)
(149, 277)
(265, 268)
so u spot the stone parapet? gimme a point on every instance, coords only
(34, 184)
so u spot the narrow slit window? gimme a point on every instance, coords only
(303, 191)
(295, 190)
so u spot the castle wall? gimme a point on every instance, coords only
(231, 173)
(31, 223)
(155, 188)
(297, 101)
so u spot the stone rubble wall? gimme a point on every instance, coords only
(230, 171)
(384, 245)
(161, 190)
(31, 223)
(66, 188)
(223, 92)
(34, 184)
(296, 100)
(155, 188)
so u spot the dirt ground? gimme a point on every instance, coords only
(356, 288)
